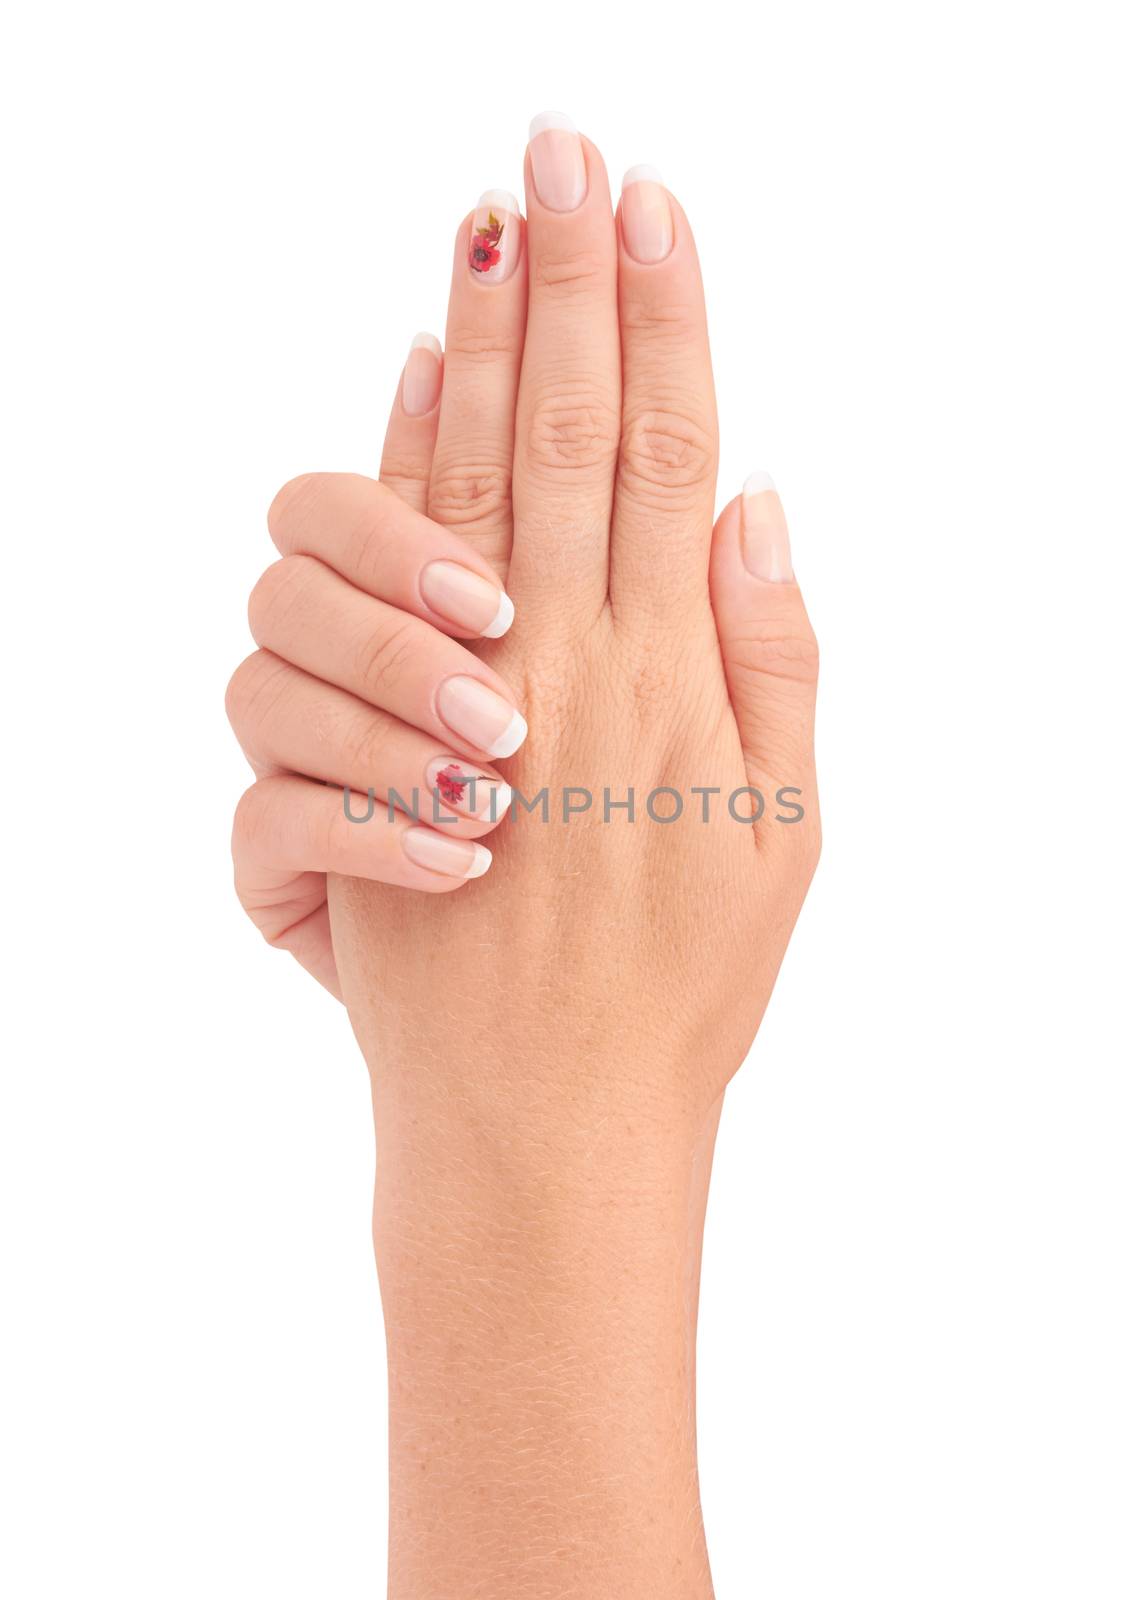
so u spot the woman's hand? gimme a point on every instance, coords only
(548, 1048)
(621, 958)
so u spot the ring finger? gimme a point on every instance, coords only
(470, 487)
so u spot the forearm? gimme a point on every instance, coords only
(540, 1303)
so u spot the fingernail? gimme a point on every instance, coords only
(557, 161)
(454, 858)
(422, 375)
(470, 602)
(493, 253)
(646, 216)
(468, 791)
(766, 549)
(481, 716)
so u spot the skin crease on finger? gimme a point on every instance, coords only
(550, 1044)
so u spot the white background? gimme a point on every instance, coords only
(919, 1332)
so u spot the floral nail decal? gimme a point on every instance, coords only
(484, 251)
(452, 784)
(477, 795)
(495, 237)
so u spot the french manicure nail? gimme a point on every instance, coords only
(468, 791)
(466, 599)
(454, 858)
(557, 161)
(646, 216)
(481, 716)
(493, 251)
(765, 546)
(422, 375)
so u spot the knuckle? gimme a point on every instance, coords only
(292, 507)
(384, 656)
(478, 345)
(470, 497)
(252, 816)
(571, 274)
(665, 449)
(404, 470)
(359, 743)
(780, 653)
(574, 429)
(255, 691)
(276, 594)
(667, 322)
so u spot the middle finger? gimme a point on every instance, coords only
(569, 402)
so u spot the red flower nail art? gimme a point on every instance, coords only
(484, 252)
(452, 785)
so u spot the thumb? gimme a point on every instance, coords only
(770, 657)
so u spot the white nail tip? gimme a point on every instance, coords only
(503, 617)
(758, 483)
(427, 341)
(546, 121)
(499, 200)
(509, 740)
(643, 174)
(498, 803)
(480, 862)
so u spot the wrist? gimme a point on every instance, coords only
(539, 1293)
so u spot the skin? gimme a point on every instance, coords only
(548, 1045)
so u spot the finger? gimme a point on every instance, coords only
(289, 832)
(664, 498)
(409, 443)
(486, 326)
(287, 721)
(363, 530)
(570, 390)
(307, 614)
(768, 648)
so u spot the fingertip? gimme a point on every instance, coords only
(646, 216)
(503, 618)
(480, 863)
(500, 200)
(765, 544)
(422, 382)
(511, 739)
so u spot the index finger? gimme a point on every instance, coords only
(365, 532)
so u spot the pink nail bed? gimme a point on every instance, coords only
(646, 215)
(453, 858)
(480, 716)
(422, 376)
(466, 599)
(557, 161)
